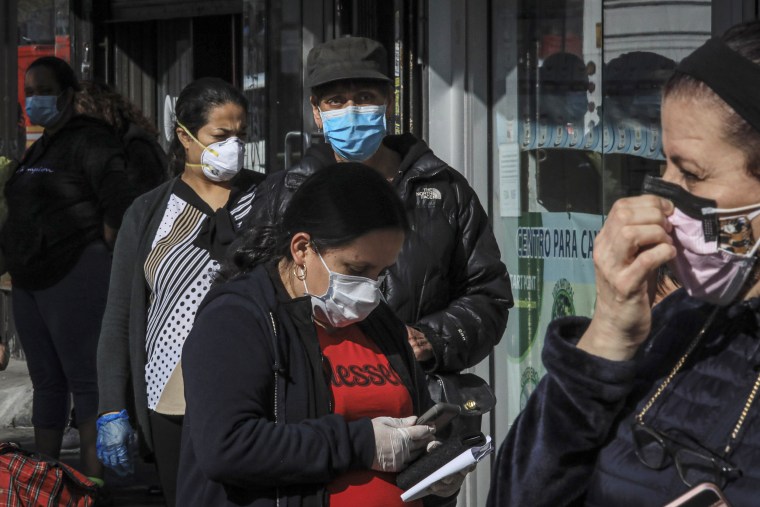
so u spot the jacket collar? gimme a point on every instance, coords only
(410, 149)
(417, 159)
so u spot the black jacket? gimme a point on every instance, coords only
(572, 444)
(65, 188)
(258, 426)
(448, 281)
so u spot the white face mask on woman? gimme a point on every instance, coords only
(220, 161)
(348, 299)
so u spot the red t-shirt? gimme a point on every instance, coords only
(363, 385)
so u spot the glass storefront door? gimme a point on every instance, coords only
(575, 123)
(272, 66)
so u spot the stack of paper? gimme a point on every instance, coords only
(468, 458)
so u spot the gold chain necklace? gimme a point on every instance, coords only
(753, 393)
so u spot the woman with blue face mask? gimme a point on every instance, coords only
(65, 199)
(169, 250)
(644, 406)
(301, 387)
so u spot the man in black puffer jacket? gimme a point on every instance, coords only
(448, 285)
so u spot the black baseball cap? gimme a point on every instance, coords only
(346, 58)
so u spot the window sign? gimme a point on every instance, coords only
(576, 106)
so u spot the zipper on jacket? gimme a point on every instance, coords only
(420, 299)
(327, 371)
(276, 367)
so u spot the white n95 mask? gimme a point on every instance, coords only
(220, 161)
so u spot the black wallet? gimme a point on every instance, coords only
(474, 397)
(435, 459)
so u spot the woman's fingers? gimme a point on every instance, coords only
(629, 257)
(634, 226)
(641, 209)
(630, 240)
(635, 277)
(633, 243)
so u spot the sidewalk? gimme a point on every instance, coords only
(138, 490)
(15, 396)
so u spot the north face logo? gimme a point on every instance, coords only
(429, 193)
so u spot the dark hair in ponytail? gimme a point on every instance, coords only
(191, 110)
(335, 206)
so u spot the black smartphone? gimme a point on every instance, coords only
(439, 415)
(701, 495)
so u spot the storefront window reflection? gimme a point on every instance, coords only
(576, 105)
(272, 66)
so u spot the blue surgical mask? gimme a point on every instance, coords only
(355, 132)
(42, 110)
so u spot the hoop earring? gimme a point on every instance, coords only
(302, 275)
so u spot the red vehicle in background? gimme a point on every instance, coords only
(26, 55)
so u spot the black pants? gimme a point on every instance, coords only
(59, 328)
(166, 432)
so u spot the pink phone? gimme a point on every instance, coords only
(701, 495)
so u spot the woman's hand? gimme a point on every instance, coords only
(633, 243)
(116, 443)
(451, 484)
(422, 348)
(397, 441)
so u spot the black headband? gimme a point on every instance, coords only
(734, 78)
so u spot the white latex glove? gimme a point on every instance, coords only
(397, 440)
(450, 485)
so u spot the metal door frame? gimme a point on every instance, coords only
(9, 67)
